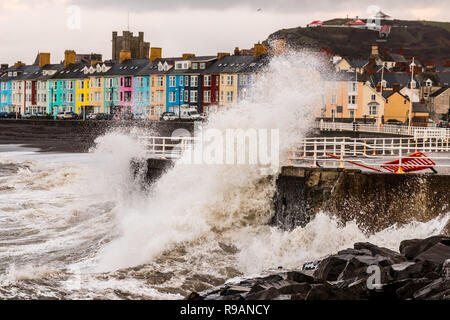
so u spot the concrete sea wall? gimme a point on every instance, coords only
(374, 201)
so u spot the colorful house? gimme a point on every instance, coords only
(396, 107)
(5, 91)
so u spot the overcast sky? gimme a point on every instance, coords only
(199, 26)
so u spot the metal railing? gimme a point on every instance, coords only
(366, 152)
(417, 132)
(166, 147)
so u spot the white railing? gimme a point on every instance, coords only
(366, 152)
(417, 132)
(166, 147)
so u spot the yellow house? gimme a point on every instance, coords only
(82, 94)
(396, 107)
(372, 103)
(157, 95)
(228, 89)
(97, 93)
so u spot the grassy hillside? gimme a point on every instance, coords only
(426, 40)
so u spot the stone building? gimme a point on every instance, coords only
(127, 42)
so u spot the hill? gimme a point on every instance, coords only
(426, 40)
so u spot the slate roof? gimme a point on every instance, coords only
(439, 92)
(419, 107)
(73, 71)
(232, 64)
(358, 63)
(127, 68)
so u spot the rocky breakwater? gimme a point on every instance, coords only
(419, 271)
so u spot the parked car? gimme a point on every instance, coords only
(67, 116)
(3, 115)
(92, 116)
(444, 124)
(140, 116)
(27, 115)
(14, 115)
(168, 116)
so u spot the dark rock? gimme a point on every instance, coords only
(321, 291)
(433, 289)
(353, 269)
(437, 254)
(384, 252)
(268, 294)
(299, 277)
(330, 268)
(411, 269)
(233, 290)
(354, 252)
(194, 296)
(446, 230)
(412, 248)
(297, 288)
(411, 286)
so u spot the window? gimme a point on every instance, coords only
(81, 97)
(374, 97)
(373, 110)
(181, 81)
(351, 100)
(127, 96)
(425, 94)
(54, 98)
(70, 97)
(230, 80)
(217, 80)
(207, 96)
(202, 65)
(194, 81)
(97, 97)
(429, 83)
(186, 96)
(230, 96)
(243, 79)
(80, 84)
(98, 83)
(195, 66)
(172, 97)
(352, 86)
(186, 81)
(333, 99)
(172, 81)
(159, 96)
(207, 81)
(128, 82)
(194, 96)
(55, 85)
(352, 114)
(160, 82)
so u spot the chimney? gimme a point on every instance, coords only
(124, 56)
(19, 64)
(260, 50)
(44, 59)
(155, 53)
(70, 57)
(374, 50)
(387, 49)
(220, 55)
(395, 87)
(378, 87)
(447, 63)
(401, 51)
(187, 56)
(237, 52)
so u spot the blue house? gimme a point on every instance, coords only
(142, 94)
(174, 92)
(5, 95)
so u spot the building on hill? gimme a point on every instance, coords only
(127, 42)
(439, 104)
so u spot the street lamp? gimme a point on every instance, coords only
(412, 65)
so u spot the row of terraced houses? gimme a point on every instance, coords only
(144, 86)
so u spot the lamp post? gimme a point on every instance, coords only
(412, 65)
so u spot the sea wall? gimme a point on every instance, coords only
(76, 136)
(374, 201)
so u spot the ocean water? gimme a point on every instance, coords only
(79, 226)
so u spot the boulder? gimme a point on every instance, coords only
(446, 230)
(378, 251)
(437, 254)
(412, 248)
(433, 289)
(299, 277)
(410, 269)
(330, 268)
(411, 286)
(268, 294)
